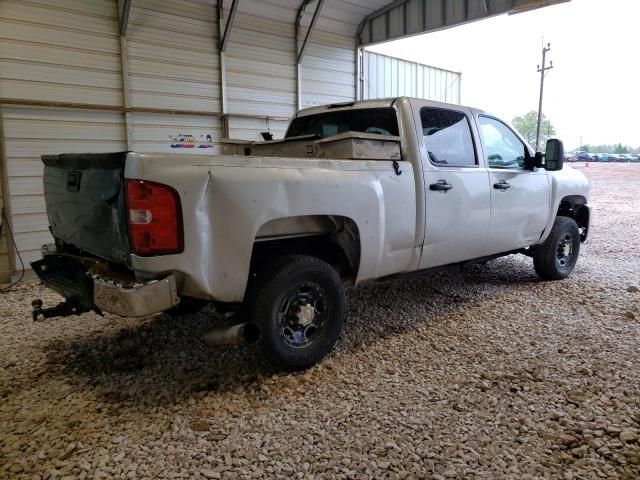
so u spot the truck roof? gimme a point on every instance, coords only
(375, 103)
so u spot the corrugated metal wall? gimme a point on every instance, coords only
(70, 51)
(32, 132)
(172, 63)
(173, 55)
(328, 68)
(260, 68)
(386, 76)
(67, 50)
(63, 51)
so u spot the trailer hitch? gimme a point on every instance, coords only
(63, 309)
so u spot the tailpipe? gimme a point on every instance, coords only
(233, 335)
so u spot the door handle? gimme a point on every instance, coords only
(502, 185)
(440, 186)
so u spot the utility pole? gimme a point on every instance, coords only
(542, 71)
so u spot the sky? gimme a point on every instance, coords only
(592, 92)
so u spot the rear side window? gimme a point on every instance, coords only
(447, 137)
(380, 121)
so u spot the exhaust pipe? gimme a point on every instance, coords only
(233, 335)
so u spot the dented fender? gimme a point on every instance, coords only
(226, 200)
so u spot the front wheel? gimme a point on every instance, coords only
(299, 307)
(557, 256)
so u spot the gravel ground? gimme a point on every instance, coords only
(481, 372)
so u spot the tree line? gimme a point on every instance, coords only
(527, 124)
(615, 148)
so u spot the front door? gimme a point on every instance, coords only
(457, 189)
(520, 198)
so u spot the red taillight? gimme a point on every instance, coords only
(155, 218)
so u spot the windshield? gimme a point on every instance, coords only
(380, 121)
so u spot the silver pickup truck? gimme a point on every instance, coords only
(354, 192)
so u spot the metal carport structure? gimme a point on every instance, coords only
(107, 75)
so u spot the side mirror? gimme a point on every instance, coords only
(554, 155)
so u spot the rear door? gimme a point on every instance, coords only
(457, 188)
(84, 194)
(520, 198)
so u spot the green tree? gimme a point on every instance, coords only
(606, 148)
(527, 124)
(619, 148)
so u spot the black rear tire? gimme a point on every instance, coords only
(557, 256)
(299, 307)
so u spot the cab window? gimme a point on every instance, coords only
(447, 137)
(381, 121)
(503, 149)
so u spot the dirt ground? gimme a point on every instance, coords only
(479, 372)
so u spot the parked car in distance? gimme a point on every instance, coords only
(583, 157)
(601, 157)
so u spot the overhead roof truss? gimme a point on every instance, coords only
(402, 18)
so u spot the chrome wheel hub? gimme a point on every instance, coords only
(302, 315)
(306, 314)
(564, 251)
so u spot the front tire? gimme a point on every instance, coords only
(557, 256)
(299, 308)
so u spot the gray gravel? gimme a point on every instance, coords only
(481, 372)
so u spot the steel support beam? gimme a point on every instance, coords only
(124, 17)
(300, 49)
(124, 69)
(303, 6)
(227, 29)
(6, 207)
(224, 32)
(312, 25)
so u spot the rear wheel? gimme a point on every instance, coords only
(299, 307)
(557, 256)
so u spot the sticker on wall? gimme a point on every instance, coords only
(208, 142)
(189, 141)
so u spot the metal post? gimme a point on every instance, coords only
(124, 17)
(124, 70)
(300, 49)
(6, 205)
(224, 33)
(299, 85)
(359, 73)
(312, 25)
(227, 30)
(542, 72)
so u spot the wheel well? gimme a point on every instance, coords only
(574, 206)
(333, 239)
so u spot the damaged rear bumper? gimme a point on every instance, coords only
(138, 300)
(86, 285)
